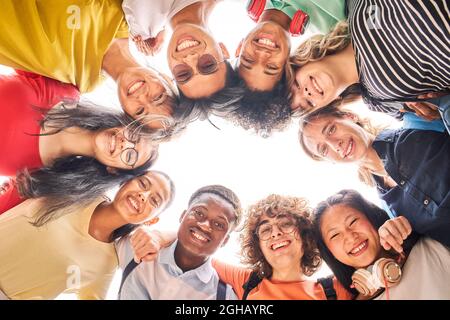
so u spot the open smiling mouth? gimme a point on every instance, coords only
(349, 150)
(186, 43)
(280, 245)
(316, 86)
(112, 142)
(133, 203)
(265, 43)
(359, 249)
(135, 86)
(198, 235)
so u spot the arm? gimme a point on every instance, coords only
(233, 275)
(341, 292)
(393, 232)
(146, 243)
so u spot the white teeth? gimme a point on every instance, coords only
(316, 86)
(199, 237)
(279, 245)
(135, 87)
(266, 42)
(187, 44)
(359, 248)
(133, 203)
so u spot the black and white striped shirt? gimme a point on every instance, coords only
(402, 49)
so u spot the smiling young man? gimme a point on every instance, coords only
(183, 270)
(263, 56)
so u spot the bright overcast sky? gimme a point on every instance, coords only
(251, 166)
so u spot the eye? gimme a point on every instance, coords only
(154, 201)
(198, 214)
(334, 236)
(272, 67)
(219, 225)
(142, 184)
(323, 150)
(332, 129)
(248, 59)
(160, 99)
(140, 111)
(353, 221)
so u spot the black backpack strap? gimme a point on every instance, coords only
(130, 267)
(251, 284)
(221, 291)
(328, 287)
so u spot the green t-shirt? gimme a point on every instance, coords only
(323, 14)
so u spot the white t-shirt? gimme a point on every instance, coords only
(426, 274)
(148, 17)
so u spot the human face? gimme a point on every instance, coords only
(350, 236)
(206, 225)
(196, 61)
(142, 93)
(281, 249)
(263, 55)
(114, 148)
(316, 85)
(142, 198)
(336, 139)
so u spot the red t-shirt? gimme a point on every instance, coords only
(19, 121)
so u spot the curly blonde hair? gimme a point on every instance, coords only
(336, 111)
(318, 47)
(272, 206)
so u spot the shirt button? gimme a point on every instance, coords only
(402, 182)
(426, 202)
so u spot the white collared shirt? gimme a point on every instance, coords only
(162, 279)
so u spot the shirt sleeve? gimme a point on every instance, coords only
(10, 198)
(232, 275)
(122, 31)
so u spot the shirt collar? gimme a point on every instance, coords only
(167, 256)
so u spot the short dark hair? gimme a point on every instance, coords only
(224, 193)
(376, 216)
(263, 111)
(219, 104)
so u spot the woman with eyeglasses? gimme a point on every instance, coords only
(75, 253)
(65, 153)
(395, 52)
(409, 167)
(278, 246)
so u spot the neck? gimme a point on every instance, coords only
(187, 261)
(72, 141)
(288, 273)
(277, 17)
(373, 162)
(196, 13)
(344, 65)
(104, 221)
(118, 58)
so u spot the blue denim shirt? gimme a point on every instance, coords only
(419, 162)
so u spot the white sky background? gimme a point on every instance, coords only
(251, 166)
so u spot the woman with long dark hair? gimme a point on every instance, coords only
(75, 253)
(66, 153)
(354, 234)
(409, 167)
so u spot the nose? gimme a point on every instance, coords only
(125, 144)
(191, 58)
(143, 195)
(349, 238)
(205, 225)
(262, 53)
(276, 232)
(335, 144)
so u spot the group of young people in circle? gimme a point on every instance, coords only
(63, 154)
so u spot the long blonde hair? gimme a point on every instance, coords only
(336, 111)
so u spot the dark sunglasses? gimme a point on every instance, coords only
(206, 64)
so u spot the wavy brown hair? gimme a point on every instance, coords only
(272, 206)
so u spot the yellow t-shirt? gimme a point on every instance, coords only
(60, 39)
(60, 257)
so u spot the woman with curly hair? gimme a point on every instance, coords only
(409, 167)
(389, 61)
(278, 244)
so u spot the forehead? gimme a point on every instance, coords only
(313, 132)
(215, 205)
(159, 182)
(265, 218)
(144, 148)
(337, 215)
(256, 79)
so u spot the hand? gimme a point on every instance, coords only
(151, 46)
(426, 110)
(145, 243)
(393, 232)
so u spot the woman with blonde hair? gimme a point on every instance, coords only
(375, 54)
(409, 167)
